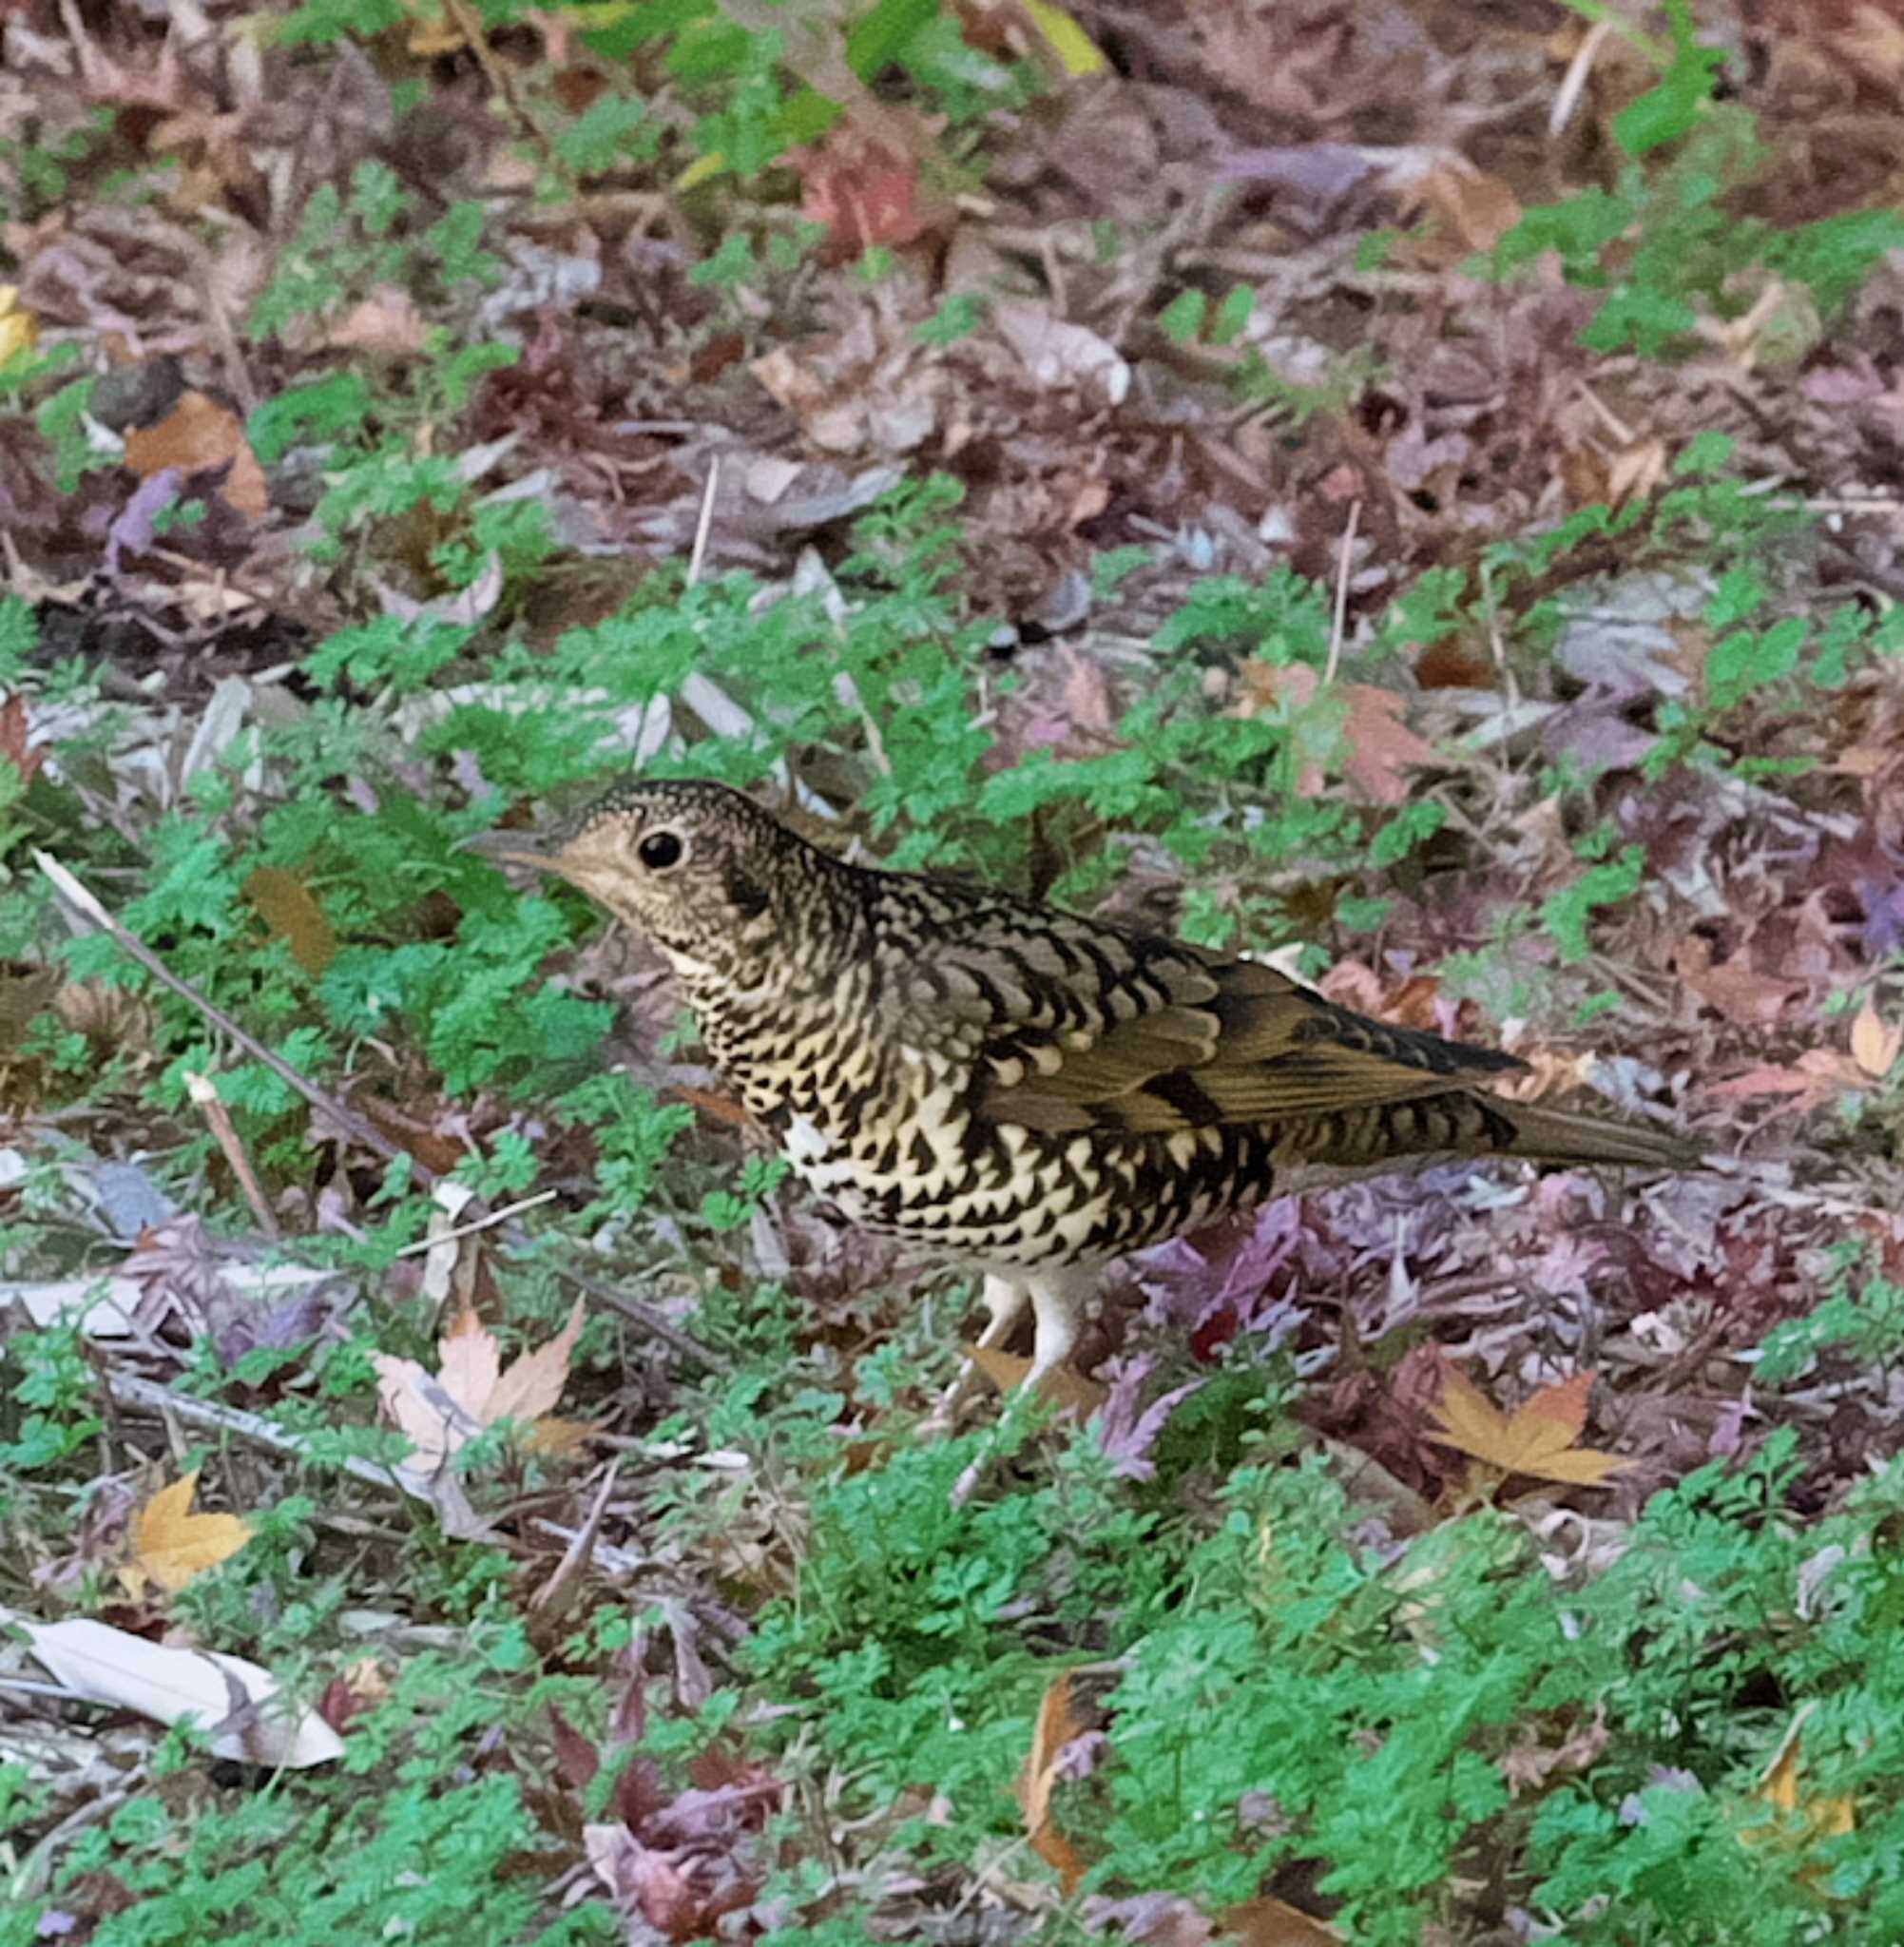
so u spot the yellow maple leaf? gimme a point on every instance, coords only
(1078, 54)
(170, 1545)
(19, 328)
(1803, 1819)
(1875, 1046)
(1536, 1438)
(435, 30)
(701, 170)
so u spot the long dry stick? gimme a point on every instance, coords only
(357, 1128)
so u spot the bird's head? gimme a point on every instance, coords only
(695, 867)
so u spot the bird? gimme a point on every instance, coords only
(1017, 1090)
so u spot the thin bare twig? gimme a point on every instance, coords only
(649, 1320)
(476, 1223)
(564, 1583)
(34, 1871)
(1339, 625)
(1573, 83)
(208, 1414)
(147, 1396)
(218, 1117)
(705, 526)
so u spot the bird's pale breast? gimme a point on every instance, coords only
(887, 1133)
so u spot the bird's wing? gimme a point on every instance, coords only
(1236, 1043)
(1070, 1025)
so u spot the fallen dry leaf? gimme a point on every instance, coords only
(1077, 53)
(1636, 471)
(1738, 991)
(1782, 327)
(558, 1438)
(388, 321)
(1057, 1726)
(1276, 1923)
(1820, 1076)
(1060, 1387)
(19, 329)
(286, 904)
(1875, 1046)
(1536, 1438)
(714, 1105)
(863, 196)
(1802, 1817)
(533, 1384)
(886, 399)
(197, 436)
(237, 1702)
(15, 746)
(1872, 40)
(1058, 356)
(1528, 1763)
(1548, 1073)
(1473, 207)
(434, 31)
(1380, 747)
(442, 1412)
(1356, 727)
(172, 1546)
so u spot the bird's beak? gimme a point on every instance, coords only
(513, 848)
(582, 860)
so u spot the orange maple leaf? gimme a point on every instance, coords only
(26, 758)
(1058, 1723)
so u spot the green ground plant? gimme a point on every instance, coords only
(1665, 244)
(1400, 1720)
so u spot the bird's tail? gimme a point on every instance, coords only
(1379, 1136)
(1568, 1136)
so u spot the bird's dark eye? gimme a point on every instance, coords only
(659, 850)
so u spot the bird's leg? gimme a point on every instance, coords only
(1055, 1296)
(1004, 1300)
